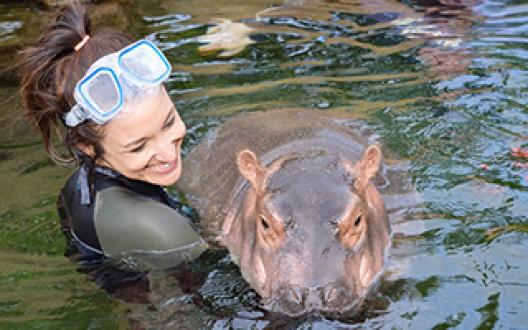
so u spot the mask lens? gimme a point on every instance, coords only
(145, 63)
(103, 92)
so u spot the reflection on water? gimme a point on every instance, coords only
(443, 83)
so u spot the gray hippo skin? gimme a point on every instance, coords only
(289, 193)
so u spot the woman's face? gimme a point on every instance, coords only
(145, 143)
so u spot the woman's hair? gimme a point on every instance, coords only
(49, 71)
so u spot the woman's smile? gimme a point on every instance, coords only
(164, 168)
(167, 167)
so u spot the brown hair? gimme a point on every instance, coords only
(49, 71)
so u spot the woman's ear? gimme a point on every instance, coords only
(250, 167)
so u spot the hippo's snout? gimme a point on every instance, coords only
(296, 300)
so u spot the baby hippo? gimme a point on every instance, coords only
(303, 220)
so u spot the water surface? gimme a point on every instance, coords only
(444, 87)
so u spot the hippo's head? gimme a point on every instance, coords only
(311, 233)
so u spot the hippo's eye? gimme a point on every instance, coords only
(358, 221)
(263, 222)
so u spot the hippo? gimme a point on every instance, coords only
(290, 193)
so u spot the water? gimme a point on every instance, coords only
(445, 87)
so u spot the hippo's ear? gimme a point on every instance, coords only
(250, 167)
(368, 165)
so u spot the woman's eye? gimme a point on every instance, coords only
(170, 123)
(138, 148)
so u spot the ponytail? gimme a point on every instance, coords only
(49, 71)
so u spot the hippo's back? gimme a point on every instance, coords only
(210, 176)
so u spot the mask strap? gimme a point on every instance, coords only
(75, 116)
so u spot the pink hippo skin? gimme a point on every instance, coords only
(289, 193)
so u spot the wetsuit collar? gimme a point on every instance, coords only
(86, 189)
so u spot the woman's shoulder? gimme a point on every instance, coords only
(127, 221)
(127, 216)
(134, 227)
(77, 203)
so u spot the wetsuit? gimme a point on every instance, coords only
(131, 221)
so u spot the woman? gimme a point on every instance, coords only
(104, 94)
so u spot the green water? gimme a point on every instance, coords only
(445, 88)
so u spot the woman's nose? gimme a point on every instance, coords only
(166, 150)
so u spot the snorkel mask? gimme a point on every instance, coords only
(116, 78)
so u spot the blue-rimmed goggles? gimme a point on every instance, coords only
(116, 78)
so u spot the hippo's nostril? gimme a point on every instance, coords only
(333, 295)
(329, 295)
(295, 295)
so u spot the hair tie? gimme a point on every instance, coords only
(81, 43)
